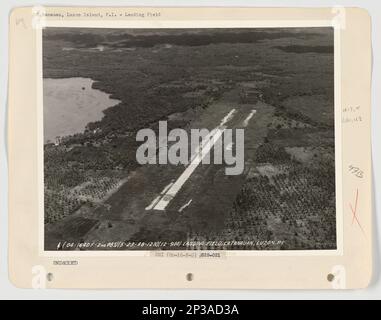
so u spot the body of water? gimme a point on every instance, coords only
(70, 104)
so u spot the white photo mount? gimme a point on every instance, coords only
(349, 266)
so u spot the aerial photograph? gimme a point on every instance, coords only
(189, 139)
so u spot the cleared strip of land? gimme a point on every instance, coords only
(251, 114)
(207, 145)
(175, 188)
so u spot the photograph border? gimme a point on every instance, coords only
(223, 24)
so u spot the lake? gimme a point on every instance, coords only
(70, 104)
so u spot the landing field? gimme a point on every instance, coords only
(278, 85)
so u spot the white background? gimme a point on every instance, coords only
(8, 291)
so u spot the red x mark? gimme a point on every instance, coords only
(354, 212)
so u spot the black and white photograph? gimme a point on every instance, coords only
(188, 139)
